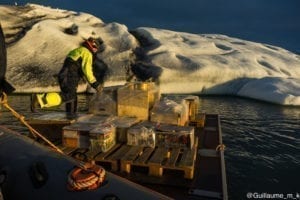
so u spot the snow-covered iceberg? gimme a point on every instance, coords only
(39, 38)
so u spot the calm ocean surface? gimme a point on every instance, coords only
(262, 140)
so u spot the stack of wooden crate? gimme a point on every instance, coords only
(77, 135)
(136, 99)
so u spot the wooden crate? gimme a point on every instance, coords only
(199, 120)
(77, 135)
(104, 103)
(151, 134)
(153, 94)
(135, 99)
(122, 125)
(193, 106)
(94, 119)
(151, 88)
(173, 136)
(142, 134)
(169, 112)
(103, 137)
(50, 125)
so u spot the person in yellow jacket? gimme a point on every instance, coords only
(78, 63)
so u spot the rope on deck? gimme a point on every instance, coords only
(21, 118)
(85, 176)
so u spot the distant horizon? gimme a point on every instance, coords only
(275, 23)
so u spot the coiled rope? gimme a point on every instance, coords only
(89, 178)
(85, 176)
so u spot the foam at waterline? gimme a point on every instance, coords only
(191, 87)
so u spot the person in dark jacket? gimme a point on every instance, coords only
(78, 63)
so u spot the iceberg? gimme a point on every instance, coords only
(38, 39)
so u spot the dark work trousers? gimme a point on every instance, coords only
(68, 79)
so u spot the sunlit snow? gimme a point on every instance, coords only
(192, 63)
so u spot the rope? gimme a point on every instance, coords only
(34, 132)
(220, 147)
(85, 176)
(89, 178)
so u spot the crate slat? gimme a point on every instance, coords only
(173, 157)
(142, 159)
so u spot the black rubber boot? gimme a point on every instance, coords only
(34, 103)
(71, 109)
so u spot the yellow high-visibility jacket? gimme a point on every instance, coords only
(86, 64)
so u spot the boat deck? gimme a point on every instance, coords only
(196, 173)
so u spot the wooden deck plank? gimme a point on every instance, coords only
(173, 157)
(91, 154)
(163, 162)
(189, 156)
(142, 159)
(211, 128)
(208, 153)
(155, 162)
(133, 153)
(119, 153)
(102, 155)
(159, 156)
(128, 159)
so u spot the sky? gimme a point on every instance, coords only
(269, 21)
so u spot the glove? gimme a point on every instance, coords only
(99, 88)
